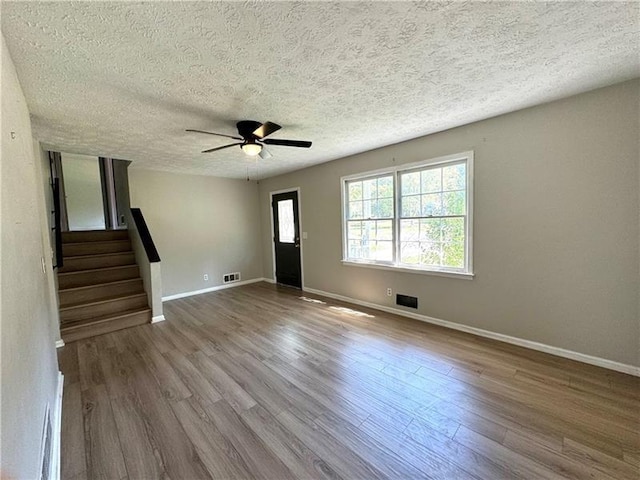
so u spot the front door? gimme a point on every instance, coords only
(286, 237)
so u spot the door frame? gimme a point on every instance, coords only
(272, 232)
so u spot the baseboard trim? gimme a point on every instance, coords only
(541, 347)
(158, 318)
(211, 289)
(270, 280)
(59, 343)
(57, 432)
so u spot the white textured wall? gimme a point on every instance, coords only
(200, 225)
(28, 329)
(555, 224)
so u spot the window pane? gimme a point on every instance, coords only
(454, 177)
(409, 230)
(430, 230)
(365, 250)
(385, 187)
(411, 206)
(355, 191)
(453, 229)
(453, 203)
(367, 209)
(355, 209)
(354, 230)
(431, 204)
(453, 254)
(431, 254)
(431, 180)
(383, 251)
(384, 230)
(355, 249)
(286, 228)
(410, 252)
(410, 183)
(369, 189)
(368, 230)
(385, 208)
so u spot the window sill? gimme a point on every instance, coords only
(463, 275)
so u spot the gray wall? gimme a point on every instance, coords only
(28, 322)
(199, 225)
(555, 223)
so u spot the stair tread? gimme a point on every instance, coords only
(96, 231)
(102, 300)
(95, 285)
(68, 326)
(90, 255)
(98, 269)
(96, 242)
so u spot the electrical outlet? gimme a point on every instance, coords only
(389, 292)
(206, 277)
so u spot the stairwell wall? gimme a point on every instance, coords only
(28, 363)
(200, 225)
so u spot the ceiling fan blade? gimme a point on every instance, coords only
(266, 129)
(221, 148)
(211, 133)
(287, 143)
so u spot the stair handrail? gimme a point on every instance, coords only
(145, 235)
(57, 228)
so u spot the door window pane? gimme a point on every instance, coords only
(286, 226)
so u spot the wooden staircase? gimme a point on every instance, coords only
(99, 286)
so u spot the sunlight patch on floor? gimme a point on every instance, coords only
(351, 311)
(312, 300)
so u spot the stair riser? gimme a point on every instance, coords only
(87, 312)
(78, 333)
(82, 279)
(94, 236)
(76, 264)
(95, 248)
(99, 292)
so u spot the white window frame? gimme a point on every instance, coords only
(395, 265)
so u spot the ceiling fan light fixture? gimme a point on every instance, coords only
(251, 149)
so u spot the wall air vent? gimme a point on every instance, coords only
(407, 301)
(231, 277)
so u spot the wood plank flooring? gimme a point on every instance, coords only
(267, 382)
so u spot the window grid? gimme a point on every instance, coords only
(422, 194)
(434, 198)
(370, 208)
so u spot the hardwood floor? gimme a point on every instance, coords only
(267, 382)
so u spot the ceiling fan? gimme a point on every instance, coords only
(253, 138)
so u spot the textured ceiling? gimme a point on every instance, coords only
(125, 79)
